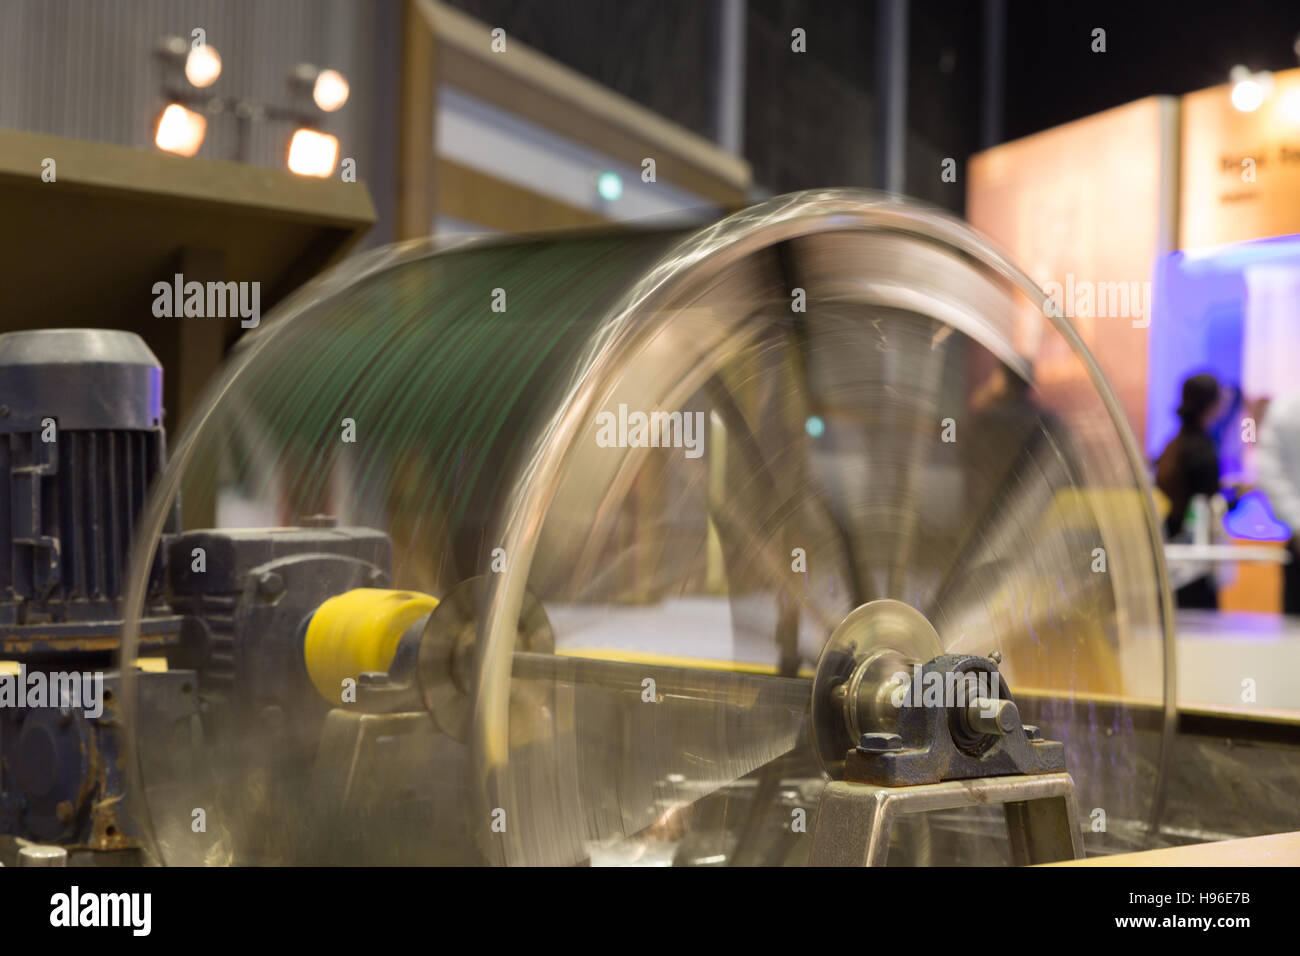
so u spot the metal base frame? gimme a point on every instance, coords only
(854, 819)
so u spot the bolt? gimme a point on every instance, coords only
(1032, 732)
(992, 716)
(879, 743)
(270, 584)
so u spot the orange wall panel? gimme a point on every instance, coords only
(1220, 203)
(1082, 205)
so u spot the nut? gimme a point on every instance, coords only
(879, 743)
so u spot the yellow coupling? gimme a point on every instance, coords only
(359, 631)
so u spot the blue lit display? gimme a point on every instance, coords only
(1253, 520)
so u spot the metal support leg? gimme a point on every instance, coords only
(1043, 830)
(855, 819)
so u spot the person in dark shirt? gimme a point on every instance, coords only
(1189, 466)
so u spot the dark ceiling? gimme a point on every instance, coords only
(810, 119)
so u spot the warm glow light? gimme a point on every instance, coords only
(1291, 106)
(330, 91)
(180, 130)
(1247, 96)
(312, 153)
(1249, 90)
(203, 65)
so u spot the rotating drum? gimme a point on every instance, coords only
(644, 476)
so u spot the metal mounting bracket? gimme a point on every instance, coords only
(854, 819)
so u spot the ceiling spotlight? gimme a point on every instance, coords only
(180, 130)
(312, 153)
(1249, 89)
(203, 65)
(330, 90)
(1247, 96)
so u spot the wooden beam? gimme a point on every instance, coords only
(416, 147)
(1278, 849)
(484, 200)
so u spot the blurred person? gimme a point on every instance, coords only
(1226, 431)
(1189, 466)
(1277, 462)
